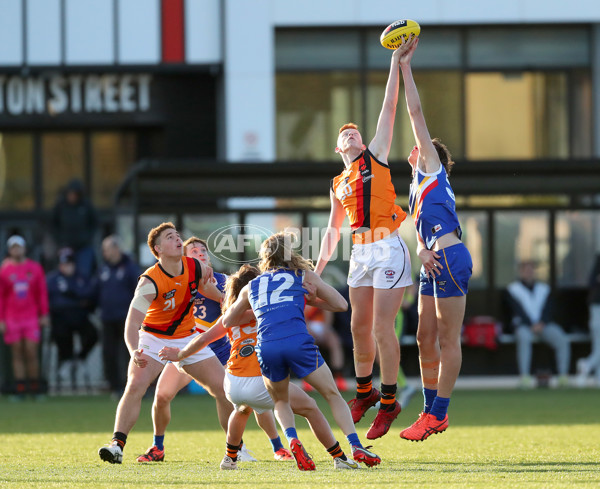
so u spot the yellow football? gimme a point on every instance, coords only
(393, 33)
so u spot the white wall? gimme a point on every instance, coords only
(203, 31)
(249, 81)
(11, 33)
(89, 32)
(43, 32)
(139, 34)
(382, 12)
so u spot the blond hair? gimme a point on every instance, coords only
(236, 282)
(154, 235)
(276, 252)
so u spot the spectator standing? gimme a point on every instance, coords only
(530, 308)
(591, 364)
(75, 221)
(23, 310)
(117, 280)
(71, 300)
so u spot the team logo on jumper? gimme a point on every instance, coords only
(193, 289)
(170, 294)
(246, 350)
(436, 228)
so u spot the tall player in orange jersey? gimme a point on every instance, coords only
(161, 314)
(380, 263)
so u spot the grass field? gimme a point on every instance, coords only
(500, 438)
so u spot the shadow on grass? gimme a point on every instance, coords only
(468, 408)
(499, 467)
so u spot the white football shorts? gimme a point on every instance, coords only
(383, 264)
(152, 345)
(249, 391)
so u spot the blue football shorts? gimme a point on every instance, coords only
(221, 348)
(454, 279)
(297, 353)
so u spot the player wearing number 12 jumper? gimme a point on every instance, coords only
(207, 312)
(277, 298)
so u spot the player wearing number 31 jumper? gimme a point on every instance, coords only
(447, 264)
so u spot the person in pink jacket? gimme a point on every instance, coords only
(23, 310)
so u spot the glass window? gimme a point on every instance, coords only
(221, 232)
(112, 155)
(443, 111)
(317, 49)
(474, 226)
(63, 158)
(124, 229)
(440, 49)
(581, 114)
(530, 115)
(499, 47)
(336, 270)
(16, 171)
(311, 107)
(260, 225)
(577, 243)
(521, 236)
(146, 223)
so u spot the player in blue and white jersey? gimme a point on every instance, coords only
(277, 298)
(446, 264)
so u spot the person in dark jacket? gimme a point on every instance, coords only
(116, 282)
(75, 222)
(70, 296)
(530, 302)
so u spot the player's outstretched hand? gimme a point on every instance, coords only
(169, 353)
(406, 50)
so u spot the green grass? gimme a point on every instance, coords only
(533, 439)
